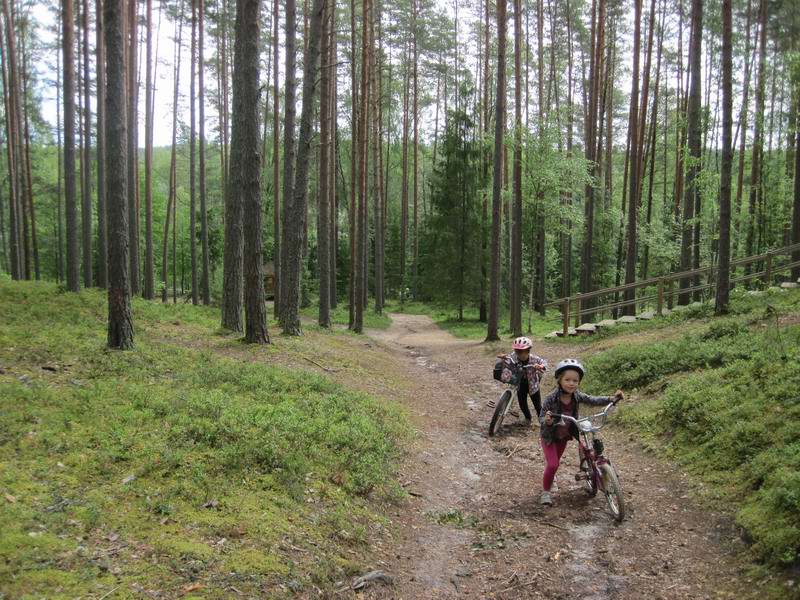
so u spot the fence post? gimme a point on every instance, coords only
(565, 314)
(768, 276)
(577, 310)
(660, 307)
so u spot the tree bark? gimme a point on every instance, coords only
(633, 190)
(415, 161)
(120, 322)
(70, 193)
(205, 280)
(362, 233)
(296, 214)
(245, 175)
(149, 267)
(756, 191)
(102, 219)
(276, 162)
(324, 213)
(497, 183)
(516, 215)
(723, 273)
(133, 145)
(693, 136)
(232, 287)
(288, 151)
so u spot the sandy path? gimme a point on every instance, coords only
(474, 528)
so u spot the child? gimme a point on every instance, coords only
(523, 369)
(564, 400)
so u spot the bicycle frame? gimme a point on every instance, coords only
(587, 448)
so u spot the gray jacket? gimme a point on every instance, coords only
(553, 403)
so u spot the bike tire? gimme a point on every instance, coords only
(590, 483)
(499, 412)
(613, 491)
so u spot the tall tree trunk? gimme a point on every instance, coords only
(404, 182)
(70, 192)
(497, 183)
(232, 287)
(415, 111)
(192, 157)
(205, 281)
(756, 191)
(276, 161)
(288, 153)
(693, 135)
(120, 322)
(633, 190)
(723, 274)
(742, 124)
(133, 146)
(363, 127)
(149, 267)
(296, 213)
(86, 170)
(31, 207)
(324, 213)
(14, 217)
(377, 165)
(172, 198)
(485, 110)
(796, 208)
(245, 176)
(516, 216)
(102, 219)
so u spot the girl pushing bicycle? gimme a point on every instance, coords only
(556, 432)
(525, 370)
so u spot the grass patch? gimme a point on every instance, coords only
(724, 402)
(170, 463)
(341, 316)
(471, 327)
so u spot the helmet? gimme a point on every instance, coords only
(570, 363)
(522, 343)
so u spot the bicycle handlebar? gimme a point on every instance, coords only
(588, 419)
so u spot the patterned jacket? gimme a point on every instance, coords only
(552, 402)
(514, 371)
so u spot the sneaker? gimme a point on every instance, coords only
(545, 499)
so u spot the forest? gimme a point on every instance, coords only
(487, 157)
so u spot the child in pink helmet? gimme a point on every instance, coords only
(524, 369)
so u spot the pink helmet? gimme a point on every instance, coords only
(522, 343)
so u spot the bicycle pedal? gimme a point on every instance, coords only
(581, 476)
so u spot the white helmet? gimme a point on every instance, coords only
(570, 363)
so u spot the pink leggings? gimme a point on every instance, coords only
(552, 458)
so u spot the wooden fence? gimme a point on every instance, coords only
(658, 290)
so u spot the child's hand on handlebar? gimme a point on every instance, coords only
(548, 418)
(618, 395)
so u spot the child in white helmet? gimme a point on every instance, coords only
(556, 432)
(524, 369)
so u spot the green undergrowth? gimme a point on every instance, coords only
(471, 327)
(724, 401)
(172, 466)
(341, 316)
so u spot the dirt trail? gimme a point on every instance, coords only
(474, 528)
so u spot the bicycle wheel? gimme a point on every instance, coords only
(613, 491)
(500, 412)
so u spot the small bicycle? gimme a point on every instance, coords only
(502, 406)
(596, 470)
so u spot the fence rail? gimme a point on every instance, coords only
(575, 306)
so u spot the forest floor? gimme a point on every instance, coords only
(142, 474)
(474, 526)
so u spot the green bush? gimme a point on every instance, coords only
(732, 417)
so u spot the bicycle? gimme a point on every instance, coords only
(502, 405)
(596, 469)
